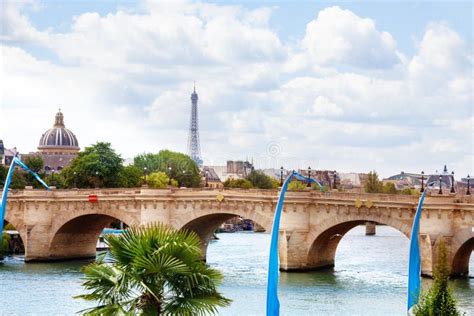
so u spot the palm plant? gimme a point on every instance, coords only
(153, 270)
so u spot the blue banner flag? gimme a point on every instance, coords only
(273, 304)
(414, 268)
(3, 202)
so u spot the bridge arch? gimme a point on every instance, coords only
(20, 228)
(324, 239)
(205, 222)
(463, 246)
(75, 236)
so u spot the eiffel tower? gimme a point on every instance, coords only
(194, 148)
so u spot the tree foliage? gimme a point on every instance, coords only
(183, 169)
(159, 180)
(3, 175)
(131, 177)
(260, 180)
(18, 181)
(296, 185)
(439, 300)
(374, 185)
(238, 184)
(97, 166)
(154, 270)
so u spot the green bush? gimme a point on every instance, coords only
(296, 185)
(159, 180)
(238, 183)
(439, 299)
(260, 180)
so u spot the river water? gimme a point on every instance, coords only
(369, 278)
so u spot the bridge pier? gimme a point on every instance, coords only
(370, 228)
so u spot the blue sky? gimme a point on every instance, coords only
(351, 86)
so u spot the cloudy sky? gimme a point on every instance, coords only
(351, 86)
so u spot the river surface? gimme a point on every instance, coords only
(370, 278)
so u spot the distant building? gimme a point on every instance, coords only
(404, 180)
(8, 156)
(446, 180)
(233, 169)
(325, 177)
(210, 178)
(2, 152)
(349, 180)
(58, 145)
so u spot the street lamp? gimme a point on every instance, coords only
(96, 179)
(75, 179)
(169, 175)
(145, 172)
(440, 179)
(309, 177)
(452, 182)
(52, 177)
(422, 181)
(334, 182)
(183, 178)
(468, 185)
(207, 178)
(281, 176)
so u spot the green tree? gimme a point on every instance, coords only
(260, 180)
(154, 270)
(131, 177)
(97, 166)
(238, 184)
(296, 185)
(159, 180)
(3, 174)
(439, 300)
(389, 188)
(183, 169)
(18, 181)
(34, 162)
(373, 184)
(56, 179)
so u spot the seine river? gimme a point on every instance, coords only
(370, 278)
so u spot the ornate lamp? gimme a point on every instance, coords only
(309, 177)
(422, 181)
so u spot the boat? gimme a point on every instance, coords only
(101, 243)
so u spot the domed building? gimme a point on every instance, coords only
(58, 145)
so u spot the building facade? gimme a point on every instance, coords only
(58, 145)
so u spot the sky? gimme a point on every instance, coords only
(339, 85)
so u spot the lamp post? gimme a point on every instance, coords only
(334, 182)
(440, 179)
(97, 179)
(145, 172)
(52, 177)
(169, 175)
(75, 179)
(207, 178)
(468, 185)
(281, 176)
(422, 182)
(309, 177)
(452, 182)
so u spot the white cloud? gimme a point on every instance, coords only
(340, 37)
(126, 77)
(322, 106)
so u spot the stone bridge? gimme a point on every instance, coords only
(64, 224)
